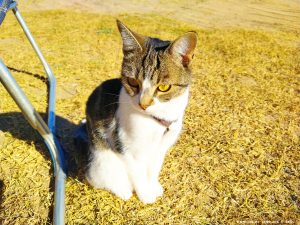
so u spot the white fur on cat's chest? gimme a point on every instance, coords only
(145, 136)
(142, 133)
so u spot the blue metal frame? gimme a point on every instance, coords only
(36, 121)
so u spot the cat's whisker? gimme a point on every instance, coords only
(111, 94)
(118, 102)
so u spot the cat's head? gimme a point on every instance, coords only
(156, 71)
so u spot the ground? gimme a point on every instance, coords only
(237, 159)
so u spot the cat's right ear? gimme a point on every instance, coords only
(182, 49)
(131, 40)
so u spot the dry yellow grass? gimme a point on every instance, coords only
(237, 158)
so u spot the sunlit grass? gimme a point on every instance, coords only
(237, 158)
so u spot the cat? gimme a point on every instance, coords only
(132, 121)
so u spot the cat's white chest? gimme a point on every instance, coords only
(144, 136)
(141, 134)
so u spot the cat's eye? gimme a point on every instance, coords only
(132, 82)
(164, 87)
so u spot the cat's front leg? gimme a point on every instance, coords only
(145, 191)
(107, 171)
(139, 177)
(157, 188)
(156, 162)
(154, 169)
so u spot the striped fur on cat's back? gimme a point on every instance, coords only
(132, 121)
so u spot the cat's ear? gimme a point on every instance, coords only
(131, 40)
(182, 49)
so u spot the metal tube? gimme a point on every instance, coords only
(51, 77)
(47, 132)
(24, 104)
(53, 145)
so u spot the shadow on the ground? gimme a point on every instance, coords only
(66, 132)
(35, 75)
(72, 136)
(75, 149)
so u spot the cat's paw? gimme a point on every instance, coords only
(149, 195)
(147, 198)
(158, 189)
(124, 195)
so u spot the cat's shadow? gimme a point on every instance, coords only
(70, 135)
(75, 149)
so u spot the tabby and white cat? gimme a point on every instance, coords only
(134, 120)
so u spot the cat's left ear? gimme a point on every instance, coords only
(182, 49)
(131, 40)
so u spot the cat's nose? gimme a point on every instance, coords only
(145, 101)
(143, 106)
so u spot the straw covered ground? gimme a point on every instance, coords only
(236, 160)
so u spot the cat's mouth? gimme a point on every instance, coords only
(163, 122)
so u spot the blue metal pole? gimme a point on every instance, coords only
(51, 77)
(47, 132)
(52, 143)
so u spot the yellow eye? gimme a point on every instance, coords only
(164, 87)
(133, 82)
